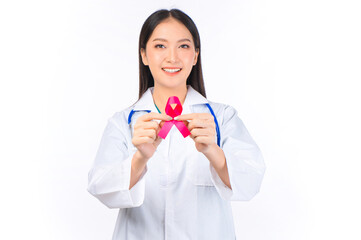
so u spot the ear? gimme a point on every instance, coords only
(196, 57)
(144, 56)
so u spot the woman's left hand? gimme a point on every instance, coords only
(202, 128)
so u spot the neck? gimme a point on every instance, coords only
(161, 95)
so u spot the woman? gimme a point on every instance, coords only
(177, 187)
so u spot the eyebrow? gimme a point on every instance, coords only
(164, 40)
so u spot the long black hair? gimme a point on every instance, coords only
(195, 78)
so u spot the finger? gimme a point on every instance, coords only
(152, 115)
(197, 123)
(146, 125)
(203, 139)
(146, 133)
(186, 123)
(140, 140)
(157, 141)
(202, 132)
(161, 124)
(189, 116)
(160, 127)
(192, 116)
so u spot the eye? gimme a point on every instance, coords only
(159, 46)
(185, 46)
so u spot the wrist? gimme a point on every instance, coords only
(211, 149)
(139, 160)
(216, 157)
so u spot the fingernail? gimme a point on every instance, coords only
(170, 118)
(176, 118)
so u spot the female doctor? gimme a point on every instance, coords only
(177, 187)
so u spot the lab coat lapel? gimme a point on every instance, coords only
(193, 98)
(146, 102)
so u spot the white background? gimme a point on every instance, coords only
(290, 68)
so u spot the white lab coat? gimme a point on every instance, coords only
(179, 194)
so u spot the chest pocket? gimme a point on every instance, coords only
(200, 173)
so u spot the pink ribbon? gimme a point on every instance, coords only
(173, 113)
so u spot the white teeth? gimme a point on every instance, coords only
(171, 70)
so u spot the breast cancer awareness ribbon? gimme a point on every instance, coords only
(173, 113)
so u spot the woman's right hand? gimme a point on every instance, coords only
(145, 136)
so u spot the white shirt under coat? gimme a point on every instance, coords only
(179, 194)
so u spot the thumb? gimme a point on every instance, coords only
(161, 124)
(157, 141)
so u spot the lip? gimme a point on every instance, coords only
(172, 74)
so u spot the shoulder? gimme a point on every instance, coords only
(221, 106)
(224, 112)
(120, 118)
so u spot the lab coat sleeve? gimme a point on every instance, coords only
(109, 178)
(243, 158)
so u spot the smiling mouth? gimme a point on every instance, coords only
(171, 70)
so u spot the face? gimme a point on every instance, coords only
(170, 54)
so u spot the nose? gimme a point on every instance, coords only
(172, 55)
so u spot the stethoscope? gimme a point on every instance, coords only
(210, 109)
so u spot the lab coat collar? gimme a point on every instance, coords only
(146, 102)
